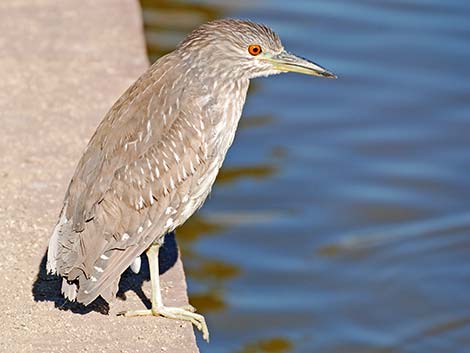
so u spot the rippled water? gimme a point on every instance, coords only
(341, 219)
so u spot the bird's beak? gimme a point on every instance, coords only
(287, 62)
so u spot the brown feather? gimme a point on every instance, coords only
(149, 166)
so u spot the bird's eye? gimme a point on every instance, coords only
(254, 49)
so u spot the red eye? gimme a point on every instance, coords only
(254, 49)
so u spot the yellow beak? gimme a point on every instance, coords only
(287, 62)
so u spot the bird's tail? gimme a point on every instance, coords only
(53, 248)
(69, 290)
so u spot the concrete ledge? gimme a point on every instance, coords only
(62, 65)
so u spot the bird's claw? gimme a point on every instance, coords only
(186, 313)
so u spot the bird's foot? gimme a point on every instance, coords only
(186, 313)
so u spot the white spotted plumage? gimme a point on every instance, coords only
(149, 166)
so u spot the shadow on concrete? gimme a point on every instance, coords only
(46, 287)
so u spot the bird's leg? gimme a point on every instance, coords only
(158, 308)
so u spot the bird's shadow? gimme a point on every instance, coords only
(46, 287)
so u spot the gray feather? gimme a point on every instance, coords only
(136, 264)
(152, 160)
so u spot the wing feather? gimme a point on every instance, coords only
(122, 137)
(123, 193)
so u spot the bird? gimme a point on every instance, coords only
(153, 159)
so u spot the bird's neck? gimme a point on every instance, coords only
(224, 95)
(223, 90)
(227, 91)
(218, 79)
(226, 88)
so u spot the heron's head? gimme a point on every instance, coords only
(243, 49)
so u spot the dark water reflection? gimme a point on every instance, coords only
(341, 220)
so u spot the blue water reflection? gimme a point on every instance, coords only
(340, 222)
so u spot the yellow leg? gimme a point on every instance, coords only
(158, 309)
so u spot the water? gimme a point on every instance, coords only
(341, 219)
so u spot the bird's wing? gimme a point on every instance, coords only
(147, 146)
(137, 119)
(139, 206)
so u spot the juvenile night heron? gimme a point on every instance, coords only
(153, 159)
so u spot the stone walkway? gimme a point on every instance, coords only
(62, 65)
